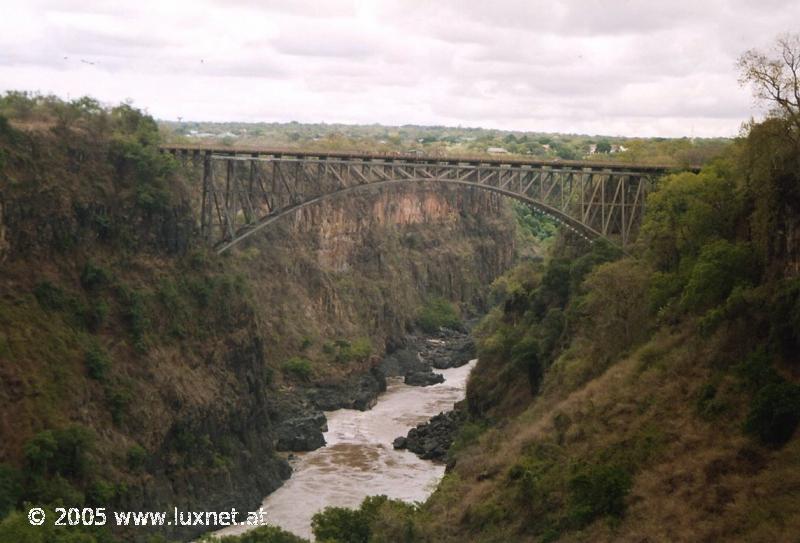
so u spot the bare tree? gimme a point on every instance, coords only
(775, 76)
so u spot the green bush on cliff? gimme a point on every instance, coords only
(52, 297)
(298, 367)
(720, 267)
(64, 452)
(597, 491)
(438, 313)
(97, 362)
(344, 351)
(377, 519)
(136, 457)
(94, 276)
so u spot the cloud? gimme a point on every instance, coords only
(632, 67)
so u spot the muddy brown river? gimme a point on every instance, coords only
(359, 460)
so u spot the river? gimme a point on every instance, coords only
(359, 460)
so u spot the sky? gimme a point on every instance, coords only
(613, 67)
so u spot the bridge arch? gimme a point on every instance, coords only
(259, 186)
(265, 221)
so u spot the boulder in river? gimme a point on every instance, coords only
(431, 440)
(423, 378)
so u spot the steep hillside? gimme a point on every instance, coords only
(140, 370)
(649, 399)
(653, 397)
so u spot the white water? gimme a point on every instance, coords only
(359, 460)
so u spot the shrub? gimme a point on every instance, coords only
(525, 357)
(358, 350)
(136, 457)
(597, 491)
(774, 413)
(341, 525)
(64, 452)
(94, 276)
(344, 525)
(664, 288)
(438, 313)
(262, 534)
(137, 317)
(95, 314)
(17, 529)
(468, 434)
(756, 371)
(118, 397)
(100, 493)
(298, 367)
(39, 452)
(707, 404)
(9, 489)
(97, 362)
(50, 296)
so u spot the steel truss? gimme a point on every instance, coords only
(243, 192)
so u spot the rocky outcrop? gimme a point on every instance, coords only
(299, 425)
(431, 440)
(453, 353)
(417, 354)
(423, 378)
(356, 392)
(301, 433)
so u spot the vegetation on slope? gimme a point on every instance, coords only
(137, 368)
(647, 398)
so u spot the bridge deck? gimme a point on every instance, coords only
(423, 159)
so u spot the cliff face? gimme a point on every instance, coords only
(173, 361)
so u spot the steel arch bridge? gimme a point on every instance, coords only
(244, 190)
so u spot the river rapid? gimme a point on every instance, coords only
(359, 460)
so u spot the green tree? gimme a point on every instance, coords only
(615, 306)
(720, 267)
(603, 146)
(688, 210)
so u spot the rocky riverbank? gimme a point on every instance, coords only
(301, 418)
(431, 440)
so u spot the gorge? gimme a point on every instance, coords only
(640, 395)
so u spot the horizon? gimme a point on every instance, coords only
(633, 70)
(441, 127)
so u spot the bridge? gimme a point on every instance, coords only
(244, 190)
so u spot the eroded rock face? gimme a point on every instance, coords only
(348, 268)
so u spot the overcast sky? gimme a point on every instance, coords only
(587, 66)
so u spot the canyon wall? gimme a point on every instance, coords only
(171, 367)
